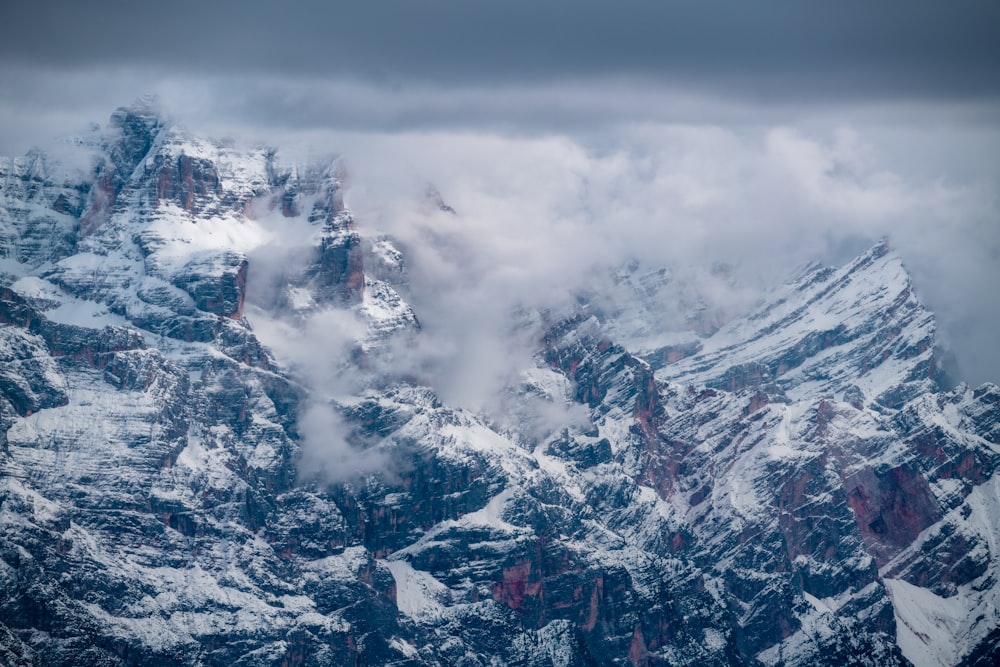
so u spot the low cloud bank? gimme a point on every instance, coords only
(539, 222)
(540, 219)
(556, 188)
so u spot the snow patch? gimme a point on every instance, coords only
(927, 625)
(419, 595)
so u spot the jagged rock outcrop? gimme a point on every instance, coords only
(798, 486)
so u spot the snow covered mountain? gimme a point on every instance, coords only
(800, 486)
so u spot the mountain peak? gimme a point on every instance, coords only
(149, 109)
(139, 124)
(796, 492)
(829, 329)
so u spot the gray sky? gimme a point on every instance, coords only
(775, 47)
(515, 65)
(766, 132)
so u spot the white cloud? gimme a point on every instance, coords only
(327, 455)
(539, 217)
(554, 183)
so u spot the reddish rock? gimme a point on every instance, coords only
(638, 654)
(105, 194)
(187, 180)
(518, 582)
(891, 507)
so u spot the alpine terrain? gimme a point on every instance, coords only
(800, 485)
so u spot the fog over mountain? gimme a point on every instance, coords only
(644, 333)
(761, 137)
(239, 425)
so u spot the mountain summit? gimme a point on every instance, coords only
(179, 485)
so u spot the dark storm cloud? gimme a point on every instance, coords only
(793, 49)
(766, 133)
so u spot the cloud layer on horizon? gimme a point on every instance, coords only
(540, 217)
(572, 138)
(782, 48)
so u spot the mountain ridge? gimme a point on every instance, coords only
(802, 488)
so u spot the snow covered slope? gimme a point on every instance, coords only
(797, 487)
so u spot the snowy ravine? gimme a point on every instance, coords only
(802, 486)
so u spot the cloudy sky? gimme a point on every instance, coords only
(764, 134)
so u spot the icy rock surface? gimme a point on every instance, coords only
(799, 486)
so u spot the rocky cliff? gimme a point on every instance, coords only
(802, 485)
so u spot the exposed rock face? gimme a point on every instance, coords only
(219, 292)
(136, 129)
(187, 180)
(41, 210)
(799, 486)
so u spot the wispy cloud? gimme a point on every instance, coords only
(540, 218)
(555, 182)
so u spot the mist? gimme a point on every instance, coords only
(540, 219)
(555, 187)
(533, 223)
